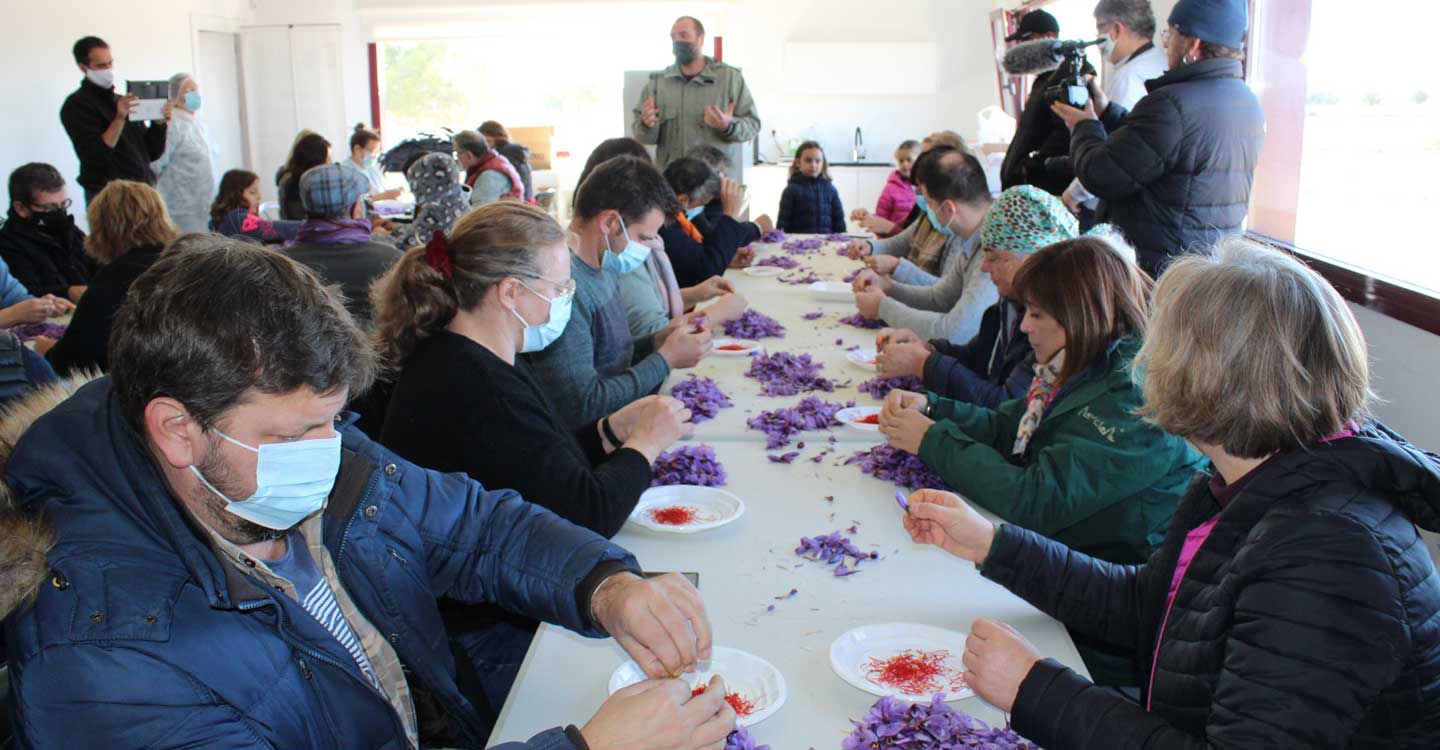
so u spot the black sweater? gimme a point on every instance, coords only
(1310, 617)
(45, 261)
(694, 262)
(86, 341)
(458, 407)
(86, 114)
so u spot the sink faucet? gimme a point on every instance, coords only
(858, 153)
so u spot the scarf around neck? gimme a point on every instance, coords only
(333, 232)
(1037, 401)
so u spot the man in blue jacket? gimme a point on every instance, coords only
(228, 563)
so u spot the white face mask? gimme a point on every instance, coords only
(102, 78)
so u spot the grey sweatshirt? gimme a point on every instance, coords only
(950, 309)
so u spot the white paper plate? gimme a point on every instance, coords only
(750, 346)
(850, 655)
(848, 416)
(764, 272)
(755, 679)
(863, 358)
(832, 291)
(713, 506)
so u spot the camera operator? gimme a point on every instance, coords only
(1038, 154)
(1128, 30)
(1177, 173)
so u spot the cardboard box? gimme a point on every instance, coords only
(538, 140)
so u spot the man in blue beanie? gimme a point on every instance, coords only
(1174, 174)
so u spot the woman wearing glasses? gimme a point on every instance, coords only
(452, 316)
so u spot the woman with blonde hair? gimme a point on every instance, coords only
(1293, 602)
(452, 316)
(129, 227)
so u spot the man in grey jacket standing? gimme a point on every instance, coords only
(696, 101)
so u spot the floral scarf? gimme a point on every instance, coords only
(1042, 392)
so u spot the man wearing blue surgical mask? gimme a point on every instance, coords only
(253, 570)
(597, 366)
(97, 118)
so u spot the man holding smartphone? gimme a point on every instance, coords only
(108, 145)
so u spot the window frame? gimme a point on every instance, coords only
(1278, 37)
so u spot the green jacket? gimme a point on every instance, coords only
(1095, 476)
(682, 114)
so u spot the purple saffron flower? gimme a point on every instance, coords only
(891, 724)
(904, 469)
(784, 458)
(812, 315)
(880, 387)
(833, 549)
(779, 261)
(860, 321)
(780, 425)
(753, 325)
(785, 374)
(740, 739)
(774, 235)
(701, 396)
(688, 464)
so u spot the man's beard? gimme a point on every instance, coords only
(231, 527)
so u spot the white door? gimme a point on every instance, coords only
(217, 69)
(291, 81)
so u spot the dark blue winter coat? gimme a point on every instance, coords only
(142, 637)
(811, 205)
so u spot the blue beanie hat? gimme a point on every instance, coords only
(1222, 22)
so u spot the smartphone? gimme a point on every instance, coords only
(693, 578)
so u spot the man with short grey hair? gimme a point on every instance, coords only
(1128, 27)
(489, 175)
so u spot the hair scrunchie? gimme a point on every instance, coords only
(437, 254)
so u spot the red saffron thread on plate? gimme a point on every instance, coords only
(742, 707)
(915, 672)
(675, 515)
(869, 419)
(732, 348)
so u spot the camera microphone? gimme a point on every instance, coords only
(1040, 55)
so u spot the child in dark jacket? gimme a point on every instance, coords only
(810, 203)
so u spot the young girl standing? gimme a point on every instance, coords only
(810, 203)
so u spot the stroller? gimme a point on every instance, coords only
(424, 143)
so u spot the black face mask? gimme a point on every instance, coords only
(55, 221)
(684, 52)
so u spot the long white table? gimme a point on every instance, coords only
(744, 565)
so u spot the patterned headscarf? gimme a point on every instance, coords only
(1025, 219)
(439, 200)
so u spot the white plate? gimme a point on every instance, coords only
(764, 272)
(863, 358)
(713, 506)
(850, 655)
(832, 291)
(755, 679)
(749, 345)
(849, 417)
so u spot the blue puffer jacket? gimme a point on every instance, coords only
(140, 636)
(811, 205)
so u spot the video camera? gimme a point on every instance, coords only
(1068, 83)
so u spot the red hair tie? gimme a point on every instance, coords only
(437, 254)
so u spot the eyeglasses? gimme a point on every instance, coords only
(47, 207)
(563, 290)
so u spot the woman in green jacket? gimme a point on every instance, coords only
(1072, 460)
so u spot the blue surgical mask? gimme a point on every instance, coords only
(541, 336)
(192, 100)
(943, 229)
(292, 481)
(691, 213)
(629, 259)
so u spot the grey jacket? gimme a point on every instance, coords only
(951, 308)
(907, 272)
(682, 114)
(596, 367)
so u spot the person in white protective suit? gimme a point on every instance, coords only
(187, 173)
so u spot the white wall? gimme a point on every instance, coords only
(150, 40)
(1404, 362)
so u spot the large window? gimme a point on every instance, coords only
(1353, 144)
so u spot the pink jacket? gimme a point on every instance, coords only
(896, 199)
